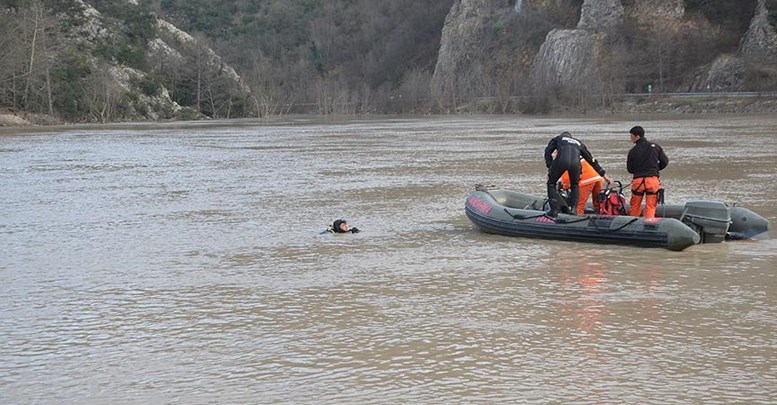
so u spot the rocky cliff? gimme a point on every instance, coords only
(656, 12)
(600, 15)
(757, 56)
(172, 50)
(760, 41)
(611, 45)
(460, 62)
(569, 59)
(488, 46)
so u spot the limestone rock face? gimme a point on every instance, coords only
(460, 59)
(159, 106)
(469, 58)
(568, 58)
(484, 49)
(725, 73)
(599, 15)
(583, 54)
(92, 29)
(760, 41)
(187, 44)
(171, 48)
(656, 12)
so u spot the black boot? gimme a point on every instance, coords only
(574, 195)
(553, 201)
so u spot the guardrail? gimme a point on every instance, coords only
(703, 93)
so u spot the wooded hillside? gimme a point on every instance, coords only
(342, 56)
(320, 56)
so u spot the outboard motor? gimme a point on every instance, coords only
(710, 219)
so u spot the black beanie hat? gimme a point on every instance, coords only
(637, 131)
(336, 225)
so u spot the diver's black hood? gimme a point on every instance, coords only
(336, 225)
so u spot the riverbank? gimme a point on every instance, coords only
(635, 105)
(697, 104)
(10, 118)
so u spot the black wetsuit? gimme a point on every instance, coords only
(569, 152)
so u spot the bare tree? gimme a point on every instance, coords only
(25, 34)
(268, 96)
(333, 97)
(34, 23)
(199, 66)
(11, 59)
(415, 90)
(102, 93)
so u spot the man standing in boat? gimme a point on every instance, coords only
(644, 161)
(569, 150)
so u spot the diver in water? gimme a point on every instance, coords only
(341, 226)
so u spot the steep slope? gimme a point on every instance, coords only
(85, 65)
(487, 47)
(760, 41)
(614, 46)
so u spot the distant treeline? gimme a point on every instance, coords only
(336, 55)
(322, 56)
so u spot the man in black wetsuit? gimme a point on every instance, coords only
(569, 150)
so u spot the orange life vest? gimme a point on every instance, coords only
(588, 176)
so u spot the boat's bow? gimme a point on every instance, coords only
(746, 223)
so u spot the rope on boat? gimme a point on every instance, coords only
(612, 230)
(560, 221)
(517, 216)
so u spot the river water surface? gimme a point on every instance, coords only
(183, 264)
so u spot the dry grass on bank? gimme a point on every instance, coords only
(10, 118)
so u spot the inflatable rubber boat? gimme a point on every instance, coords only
(676, 227)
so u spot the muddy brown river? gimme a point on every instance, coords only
(182, 263)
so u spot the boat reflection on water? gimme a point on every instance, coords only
(593, 302)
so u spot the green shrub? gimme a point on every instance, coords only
(150, 85)
(68, 75)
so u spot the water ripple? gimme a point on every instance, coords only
(185, 264)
